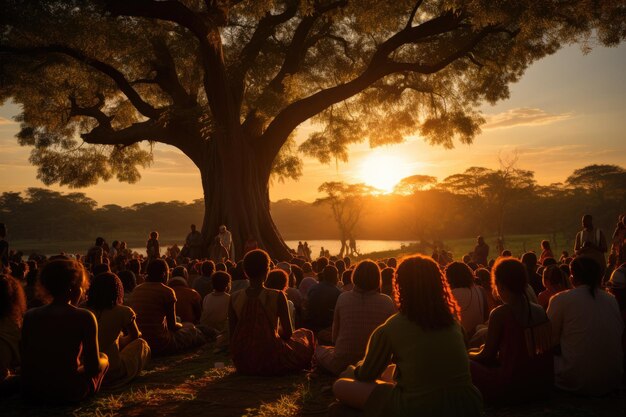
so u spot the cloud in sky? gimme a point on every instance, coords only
(523, 116)
(6, 122)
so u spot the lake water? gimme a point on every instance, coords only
(334, 246)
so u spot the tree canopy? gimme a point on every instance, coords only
(228, 82)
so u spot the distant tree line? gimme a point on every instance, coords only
(497, 202)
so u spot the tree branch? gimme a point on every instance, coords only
(215, 80)
(264, 29)
(137, 132)
(291, 116)
(409, 23)
(120, 80)
(91, 111)
(167, 77)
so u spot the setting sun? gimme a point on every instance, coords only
(383, 171)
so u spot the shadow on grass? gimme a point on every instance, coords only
(190, 385)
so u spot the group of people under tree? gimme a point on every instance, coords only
(427, 335)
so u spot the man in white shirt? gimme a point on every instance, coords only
(587, 324)
(227, 240)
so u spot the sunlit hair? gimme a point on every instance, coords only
(106, 291)
(511, 274)
(62, 276)
(154, 235)
(423, 295)
(207, 268)
(459, 275)
(346, 277)
(220, 280)
(555, 276)
(256, 265)
(277, 279)
(545, 244)
(12, 300)
(129, 280)
(158, 271)
(366, 275)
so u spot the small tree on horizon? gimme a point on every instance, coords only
(228, 82)
(347, 203)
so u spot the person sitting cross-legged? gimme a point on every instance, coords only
(118, 335)
(254, 316)
(61, 359)
(357, 313)
(515, 363)
(425, 340)
(587, 324)
(155, 305)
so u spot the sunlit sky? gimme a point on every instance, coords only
(568, 111)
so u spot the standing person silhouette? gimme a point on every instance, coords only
(194, 243)
(227, 241)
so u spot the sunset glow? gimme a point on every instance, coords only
(383, 170)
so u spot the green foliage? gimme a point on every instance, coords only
(93, 74)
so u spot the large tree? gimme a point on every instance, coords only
(229, 81)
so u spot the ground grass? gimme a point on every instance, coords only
(191, 385)
(517, 244)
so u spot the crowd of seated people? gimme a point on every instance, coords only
(425, 335)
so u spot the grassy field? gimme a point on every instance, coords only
(517, 244)
(190, 385)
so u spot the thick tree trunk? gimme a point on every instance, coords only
(236, 194)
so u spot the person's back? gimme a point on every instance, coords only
(359, 313)
(322, 298)
(580, 322)
(188, 303)
(215, 311)
(149, 301)
(61, 361)
(52, 338)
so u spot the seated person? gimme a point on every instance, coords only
(588, 326)
(386, 282)
(425, 339)
(215, 304)
(470, 298)
(188, 301)
(346, 281)
(515, 364)
(278, 279)
(12, 308)
(309, 279)
(155, 306)
(118, 335)
(61, 361)
(357, 314)
(617, 286)
(254, 316)
(202, 284)
(321, 300)
(555, 281)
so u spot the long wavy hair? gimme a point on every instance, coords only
(423, 295)
(12, 300)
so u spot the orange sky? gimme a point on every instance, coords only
(568, 111)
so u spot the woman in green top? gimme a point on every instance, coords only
(425, 341)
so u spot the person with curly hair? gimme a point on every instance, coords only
(425, 340)
(61, 360)
(12, 308)
(128, 354)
